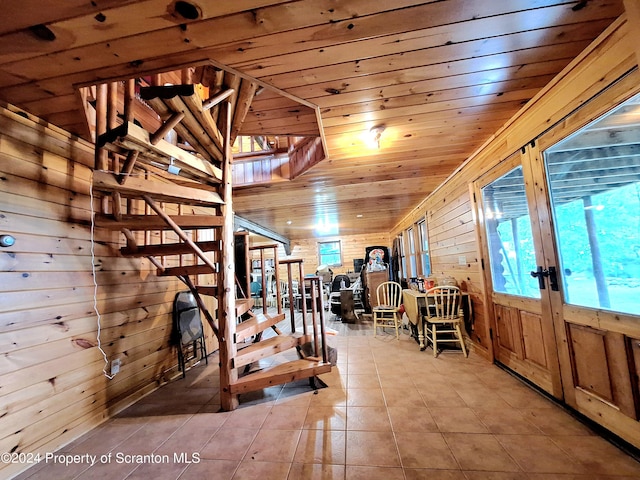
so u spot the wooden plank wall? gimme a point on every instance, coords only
(353, 246)
(52, 388)
(449, 210)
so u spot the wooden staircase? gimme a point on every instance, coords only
(153, 190)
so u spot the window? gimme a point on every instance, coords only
(423, 247)
(329, 253)
(413, 270)
(403, 258)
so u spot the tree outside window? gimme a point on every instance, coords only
(425, 261)
(329, 253)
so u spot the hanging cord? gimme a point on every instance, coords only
(95, 283)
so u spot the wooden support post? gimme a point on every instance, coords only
(128, 165)
(186, 75)
(116, 204)
(101, 125)
(226, 303)
(129, 97)
(112, 105)
(303, 297)
(171, 122)
(243, 104)
(131, 240)
(167, 219)
(216, 99)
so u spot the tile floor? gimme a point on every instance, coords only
(389, 412)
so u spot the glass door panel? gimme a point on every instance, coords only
(594, 183)
(508, 231)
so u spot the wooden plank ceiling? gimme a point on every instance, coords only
(439, 76)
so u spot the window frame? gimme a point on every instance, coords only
(423, 240)
(320, 254)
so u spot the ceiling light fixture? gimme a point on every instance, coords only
(375, 133)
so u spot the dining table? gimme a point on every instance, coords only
(415, 306)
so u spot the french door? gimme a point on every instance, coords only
(560, 229)
(523, 334)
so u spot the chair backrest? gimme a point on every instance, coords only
(445, 301)
(186, 318)
(255, 288)
(389, 294)
(337, 281)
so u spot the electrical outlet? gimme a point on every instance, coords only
(462, 260)
(115, 366)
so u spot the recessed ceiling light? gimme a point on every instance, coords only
(359, 215)
(289, 222)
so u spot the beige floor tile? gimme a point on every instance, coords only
(274, 446)
(329, 397)
(480, 452)
(405, 396)
(506, 420)
(252, 470)
(363, 381)
(598, 455)
(555, 421)
(218, 469)
(321, 446)
(365, 397)
(425, 450)
(166, 471)
(503, 476)
(301, 471)
(372, 449)
(411, 419)
(248, 416)
(373, 473)
(538, 453)
(368, 419)
(430, 474)
(457, 419)
(229, 444)
(285, 417)
(441, 396)
(326, 418)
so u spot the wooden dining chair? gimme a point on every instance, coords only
(387, 312)
(444, 318)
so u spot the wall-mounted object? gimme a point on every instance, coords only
(7, 240)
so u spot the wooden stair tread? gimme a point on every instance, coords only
(131, 137)
(168, 249)
(267, 347)
(279, 374)
(136, 187)
(256, 325)
(154, 222)
(243, 305)
(186, 270)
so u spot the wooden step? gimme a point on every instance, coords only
(186, 270)
(169, 248)
(243, 305)
(256, 325)
(279, 374)
(136, 187)
(154, 222)
(267, 347)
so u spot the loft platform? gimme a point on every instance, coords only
(130, 137)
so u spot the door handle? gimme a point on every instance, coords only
(553, 279)
(540, 273)
(552, 273)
